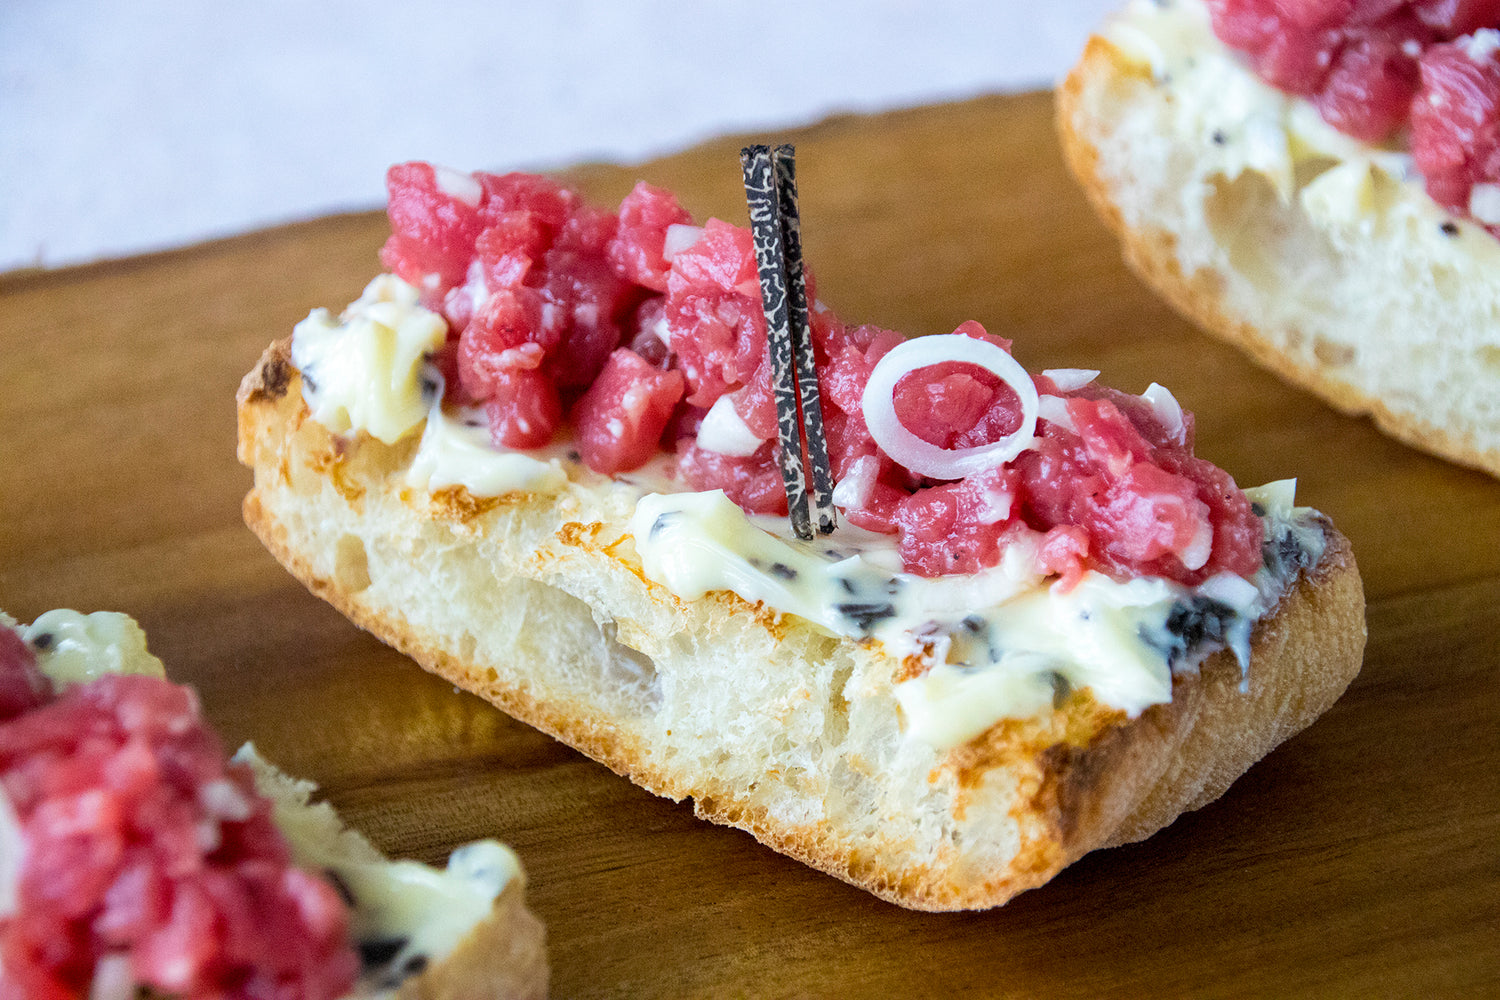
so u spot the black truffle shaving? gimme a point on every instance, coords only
(973, 636)
(1061, 688)
(866, 615)
(820, 468)
(1193, 627)
(381, 951)
(771, 193)
(1194, 624)
(1285, 555)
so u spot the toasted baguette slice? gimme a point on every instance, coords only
(1322, 258)
(540, 605)
(500, 947)
(503, 956)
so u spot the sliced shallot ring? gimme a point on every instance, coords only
(879, 404)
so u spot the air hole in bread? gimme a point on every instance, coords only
(1269, 247)
(351, 565)
(629, 669)
(1333, 354)
(836, 715)
(851, 796)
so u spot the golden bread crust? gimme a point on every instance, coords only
(504, 957)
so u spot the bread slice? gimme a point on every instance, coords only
(503, 956)
(539, 604)
(1322, 258)
(422, 934)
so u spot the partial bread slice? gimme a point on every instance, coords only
(421, 933)
(539, 605)
(502, 957)
(1391, 311)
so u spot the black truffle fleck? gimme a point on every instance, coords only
(1200, 620)
(380, 951)
(865, 615)
(663, 522)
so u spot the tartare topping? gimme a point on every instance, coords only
(1015, 536)
(1455, 125)
(151, 863)
(649, 335)
(1425, 72)
(1239, 124)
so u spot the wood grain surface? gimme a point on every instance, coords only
(1360, 859)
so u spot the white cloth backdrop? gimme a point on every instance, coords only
(133, 126)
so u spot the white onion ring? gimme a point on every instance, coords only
(904, 447)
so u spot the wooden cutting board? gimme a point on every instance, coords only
(1360, 859)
